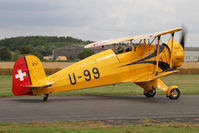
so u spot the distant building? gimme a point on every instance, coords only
(71, 51)
(61, 58)
(191, 54)
(48, 58)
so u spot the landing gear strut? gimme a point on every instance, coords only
(150, 93)
(45, 97)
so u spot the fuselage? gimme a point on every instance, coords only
(107, 68)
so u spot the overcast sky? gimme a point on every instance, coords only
(98, 19)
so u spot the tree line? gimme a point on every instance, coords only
(13, 48)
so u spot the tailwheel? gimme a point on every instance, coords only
(150, 93)
(173, 93)
(45, 97)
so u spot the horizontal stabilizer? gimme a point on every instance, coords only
(39, 85)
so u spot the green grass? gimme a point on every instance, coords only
(98, 127)
(5, 85)
(188, 84)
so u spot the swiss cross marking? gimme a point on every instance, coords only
(20, 75)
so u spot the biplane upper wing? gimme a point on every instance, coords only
(125, 39)
(167, 32)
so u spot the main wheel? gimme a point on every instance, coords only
(151, 93)
(174, 94)
(45, 97)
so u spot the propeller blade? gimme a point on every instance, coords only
(182, 40)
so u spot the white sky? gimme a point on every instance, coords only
(98, 19)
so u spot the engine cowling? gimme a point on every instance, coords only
(178, 53)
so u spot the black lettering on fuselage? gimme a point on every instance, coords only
(73, 82)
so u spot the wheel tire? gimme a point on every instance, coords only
(174, 94)
(151, 93)
(45, 99)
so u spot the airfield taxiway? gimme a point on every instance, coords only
(83, 108)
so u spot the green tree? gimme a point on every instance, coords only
(39, 55)
(85, 53)
(25, 49)
(16, 55)
(5, 54)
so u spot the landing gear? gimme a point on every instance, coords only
(150, 93)
(45, 97)
(173, 93)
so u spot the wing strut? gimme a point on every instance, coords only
(131, 43)
(114, 46)
(102, 47)
(171, 59)
(157, 58)
(152, 41)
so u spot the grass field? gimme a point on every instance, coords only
(188, 84)
(98, 127)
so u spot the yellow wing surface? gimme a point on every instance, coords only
(125, 39)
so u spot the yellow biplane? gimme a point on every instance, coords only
(142, 63)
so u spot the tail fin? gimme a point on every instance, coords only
(27, 71)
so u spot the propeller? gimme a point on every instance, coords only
(182, 40)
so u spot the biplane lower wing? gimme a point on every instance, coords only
(153, 77)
